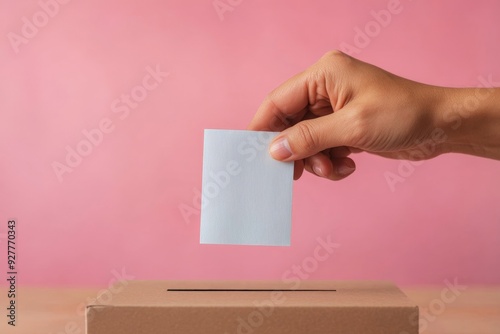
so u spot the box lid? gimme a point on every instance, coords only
(244, 293)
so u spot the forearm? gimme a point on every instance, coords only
(470, 118)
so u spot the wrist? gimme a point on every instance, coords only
(469, 118)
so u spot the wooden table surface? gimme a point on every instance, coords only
(59, 310)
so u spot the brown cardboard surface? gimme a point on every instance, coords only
(258, 307)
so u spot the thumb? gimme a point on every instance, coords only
(311, 136)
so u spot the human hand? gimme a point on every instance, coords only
(341, 105)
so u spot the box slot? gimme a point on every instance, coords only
(250, 290)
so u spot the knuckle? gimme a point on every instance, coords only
(359, 128)
(333, 54)
(335, 62)
(307, 136)
(279, 120)
(336, 56)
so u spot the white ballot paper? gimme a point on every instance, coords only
(246, 195)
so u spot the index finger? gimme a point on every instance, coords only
(286, 102)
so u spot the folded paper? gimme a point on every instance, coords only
(246, 194)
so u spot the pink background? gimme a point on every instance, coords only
(120, 207)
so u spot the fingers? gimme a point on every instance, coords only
(334, 169)
(313, 88)
(303, 109)
(331, 164)
(284, 103)
(339, 152)
(311, 136)
(298, 169)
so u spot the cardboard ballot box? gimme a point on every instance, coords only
(244, 307)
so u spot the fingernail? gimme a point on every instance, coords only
(280, 149)
(346, 168)
(317, 170)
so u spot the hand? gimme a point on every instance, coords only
(341, 105)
